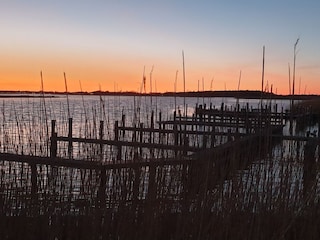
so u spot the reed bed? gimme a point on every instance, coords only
(264, 192)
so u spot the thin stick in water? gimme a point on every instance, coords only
(65, 83)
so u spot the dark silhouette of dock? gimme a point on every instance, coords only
(159, 181)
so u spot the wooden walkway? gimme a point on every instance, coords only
(189, 152)
(158, 177)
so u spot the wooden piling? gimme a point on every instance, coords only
(101, 135)
(175, 133)
(70, 148)
(151, 134)
(141, 139)
(53, 140)
(123, 120)
(116, 139)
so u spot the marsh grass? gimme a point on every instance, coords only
(264, 197)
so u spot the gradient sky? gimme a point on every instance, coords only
(108, 44)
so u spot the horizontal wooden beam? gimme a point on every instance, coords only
(130, 144)
(86, 164)
(171, 131)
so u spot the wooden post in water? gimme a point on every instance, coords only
(53, 140)
(237, 120)
(151, 134)
(175, 132)
(159, 126)
(123, 124)
(141, 138)
(247, 121)
(53, 153)
(101, 127)
(200, 113)
(277, 114)
(222, 111)
(70, 139)
(213, 130)
(160, 135)
(179, 132)
(281, 116)
(116, 139)
(185, 144)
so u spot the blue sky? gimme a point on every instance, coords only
(110, 38)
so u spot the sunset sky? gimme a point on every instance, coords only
(107, 44)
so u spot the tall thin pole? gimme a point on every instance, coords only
(151, 79)
(156, 90)
(203, 91)
(237, 102)
(65, 83)
(184, 85)
(289, 79)
(84, 109)
(175, 92)
(42, 93)
(45, 111)
(101, 103)
(239, 81)
(294, 67)
(293, 83)
(198, 93)
(151, 87)
(211, 83)
(262, 80)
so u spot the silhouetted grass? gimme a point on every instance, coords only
(251, 189)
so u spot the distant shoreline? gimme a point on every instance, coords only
(243, 94)
(26, 95)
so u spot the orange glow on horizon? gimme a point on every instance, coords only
(132, 81)
(127, 74)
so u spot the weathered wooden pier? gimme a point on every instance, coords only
(145, 181)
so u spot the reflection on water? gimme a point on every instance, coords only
(273, 185)
(26, 122)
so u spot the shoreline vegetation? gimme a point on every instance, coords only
(128, 174)
(244, 94)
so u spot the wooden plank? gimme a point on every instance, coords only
(232, 124)
(172, 131)
(129, 144)
(85, 164)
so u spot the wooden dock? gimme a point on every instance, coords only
(210, 142)
(147, 173)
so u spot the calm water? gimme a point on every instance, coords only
(26, 122)
(26, 126)
(111, 108)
